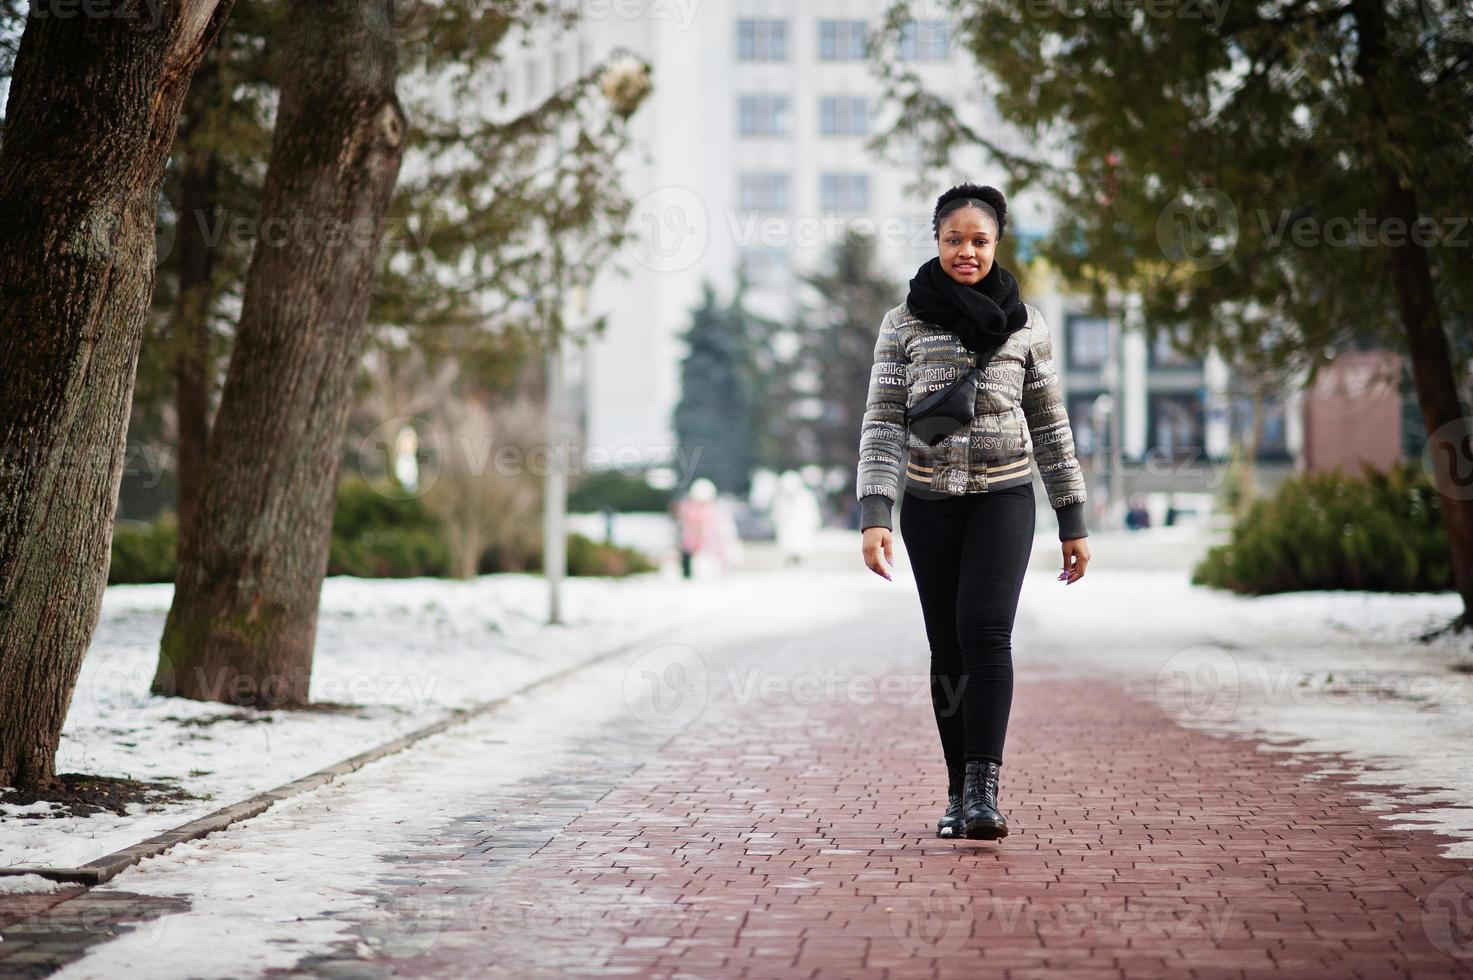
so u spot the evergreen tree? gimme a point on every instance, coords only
(840, 321)
(1282, 180)
(715, 420)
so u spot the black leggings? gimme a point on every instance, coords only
(968, 553)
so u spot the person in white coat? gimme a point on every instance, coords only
(795, 518)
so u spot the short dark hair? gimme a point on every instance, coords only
(989, 199)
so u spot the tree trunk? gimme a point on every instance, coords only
(244, 616)
(1411, 277)
(94, 104)
(189, 329)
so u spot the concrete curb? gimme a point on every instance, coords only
(109, 865)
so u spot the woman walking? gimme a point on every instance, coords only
(964, 383)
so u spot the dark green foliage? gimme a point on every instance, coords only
(621, 491)
(143, 551)
(375, 535)
(1326, 530)
(1192, 139)
(816, 398)
(716, 419)
(589, 557)
(380, 533)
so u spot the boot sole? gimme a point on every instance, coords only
(986, 831)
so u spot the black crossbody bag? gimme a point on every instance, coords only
(946, 410)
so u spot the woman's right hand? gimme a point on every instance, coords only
(877, 543)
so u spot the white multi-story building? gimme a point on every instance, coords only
(749, 153)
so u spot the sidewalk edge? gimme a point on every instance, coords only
(109, 866)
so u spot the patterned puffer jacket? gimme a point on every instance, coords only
(1020, 413)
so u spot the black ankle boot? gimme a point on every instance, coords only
(950, 824)
(981, 818)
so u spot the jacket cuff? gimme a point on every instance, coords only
(874, 511)
(1071, 521)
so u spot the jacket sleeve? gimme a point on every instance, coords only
(882, 447)
(1053, 439)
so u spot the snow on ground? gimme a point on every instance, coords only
(1337, 672)
(268, 891)
(408, 651)
(27, 884)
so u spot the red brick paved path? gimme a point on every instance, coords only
(794, 838)
(783, 839)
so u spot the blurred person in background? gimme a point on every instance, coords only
(795, 518)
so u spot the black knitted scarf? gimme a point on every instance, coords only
(982, 314)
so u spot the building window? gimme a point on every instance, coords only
(841, 40)
(1275, 440)
(763, 115)
(925, 40)
(845, 192)
(1176, 424)
(533, 78)
(762, 40)
(765, 190)
(843, 115)
(1165, 355)
(1088, 341)
(765, 265)
(1080, 406)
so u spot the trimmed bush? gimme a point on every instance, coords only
(1380, 532)
(618, 490)
(376, 534)
(589, 557)
(143, 551)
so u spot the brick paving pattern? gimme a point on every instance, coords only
(794, 837)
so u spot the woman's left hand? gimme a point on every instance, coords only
(1076, 557)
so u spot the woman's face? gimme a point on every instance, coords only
(966, 244)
